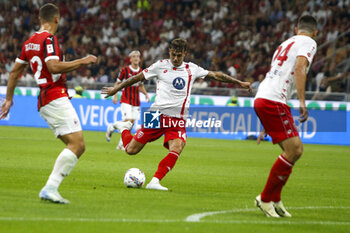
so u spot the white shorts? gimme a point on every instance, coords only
(61, 116)
(130, 112)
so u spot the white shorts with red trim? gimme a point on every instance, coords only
(130, 112)
(61, 116)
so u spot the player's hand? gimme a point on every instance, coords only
(89, 59)
(304, 114)
(262, 135)
(148, 99)
(247, 85)
(109, 91)
(115, 99)
(5, 108)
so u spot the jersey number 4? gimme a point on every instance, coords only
(281, 55)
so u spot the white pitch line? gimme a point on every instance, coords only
(199, 216)
(116, 220)
(188, 219)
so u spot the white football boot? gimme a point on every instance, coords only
(281, 211)
(154, 184)
(120, 145)
(109, 132)
(50, 193)
(266, 207)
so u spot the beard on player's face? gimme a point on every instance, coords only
(176, 57)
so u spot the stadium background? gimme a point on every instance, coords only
(212, 176)
(236, 37)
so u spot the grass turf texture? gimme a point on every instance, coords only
(211, 175)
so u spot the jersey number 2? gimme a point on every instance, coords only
(281, 55)
(39, 67)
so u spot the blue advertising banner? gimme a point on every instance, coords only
(322, 127)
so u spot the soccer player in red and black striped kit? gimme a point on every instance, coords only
(130, 99)
(42, 52)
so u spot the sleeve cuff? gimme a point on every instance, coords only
(21, 61)
(52, 57)
(145, 74)
(307, 58)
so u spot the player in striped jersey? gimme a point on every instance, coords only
(130, 99)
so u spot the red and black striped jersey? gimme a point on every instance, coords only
(130, 94)
(37, 50)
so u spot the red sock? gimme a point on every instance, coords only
(278, 177)
(166, 164)
(126, 136)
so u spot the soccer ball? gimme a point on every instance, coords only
(134, 178)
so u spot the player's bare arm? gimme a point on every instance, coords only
(112, 90)
(143, 91)
(300, 79)
(17, 70)
(115, 97)
(222, 77)
(262, 135)
(59, 67)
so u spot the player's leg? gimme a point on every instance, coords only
(126, 113)
(132, 116)
(280, 172)
(64, 121)
(292, 151)
(120, 145)
(175, 141)
(133, 147)
(278, 122)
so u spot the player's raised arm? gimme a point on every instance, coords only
(112, 90)
(222, 77)
(11, 85)
(300, 79)
(143, 91)
(58, 67)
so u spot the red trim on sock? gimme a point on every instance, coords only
(127, 137)
(166, 165)
(286, 161)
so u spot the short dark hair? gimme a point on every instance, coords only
(178, 44)
(48, 12)
(307, 23)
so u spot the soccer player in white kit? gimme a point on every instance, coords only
(174, 79)
(290, 64)
(44, 55)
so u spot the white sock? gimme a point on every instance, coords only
(63, 166)
(154, 180)
(120, 144)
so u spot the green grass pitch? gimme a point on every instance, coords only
(211, 175)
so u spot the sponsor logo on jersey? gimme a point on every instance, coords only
(179, 83)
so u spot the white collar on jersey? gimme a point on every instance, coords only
(42, 31)
(134, 70)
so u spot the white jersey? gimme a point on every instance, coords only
(174, 85)
(279, 81)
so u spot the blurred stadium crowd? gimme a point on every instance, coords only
(237, 37)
